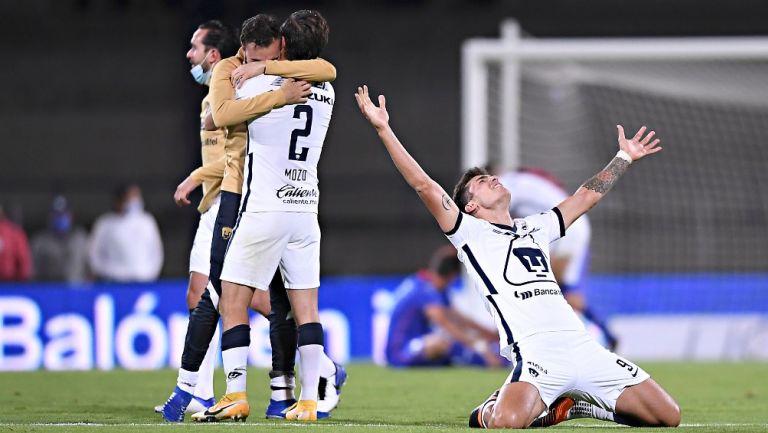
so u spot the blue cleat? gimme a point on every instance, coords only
(174, 408)
(278, 408)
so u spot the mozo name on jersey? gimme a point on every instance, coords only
(296, 174)
(527, 294)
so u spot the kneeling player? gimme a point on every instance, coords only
(508, 262)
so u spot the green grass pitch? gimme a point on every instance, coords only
(714, 398)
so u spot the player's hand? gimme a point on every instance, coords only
(208, 124)
(378, 116)
(181, 196)
(296, 92)
(639, 145)
(246, 71)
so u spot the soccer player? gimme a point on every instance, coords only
(508, 263)
(424, 331)
(211, 42)
(278, 221)
(534, 191)
(209, 241)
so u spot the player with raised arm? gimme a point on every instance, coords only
(277, 225)
(260, 42)
(555, 360)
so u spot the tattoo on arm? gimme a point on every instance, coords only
(602, 182)
(446, 202)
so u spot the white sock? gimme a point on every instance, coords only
(235, 363)
(583, 409)
(187, 380)
(309, 364)
(282, 387)
(204, 388)
(327, 367)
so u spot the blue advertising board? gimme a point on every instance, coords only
(142, 326)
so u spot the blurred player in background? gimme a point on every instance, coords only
(555, 360)
(534, 191)
(259, 38)
(278, 223)
(424, 331)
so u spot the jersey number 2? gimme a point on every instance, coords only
(300, 155)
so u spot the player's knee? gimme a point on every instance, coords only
(508, 419)
(260, 303)
(671, 416)
(195, 288)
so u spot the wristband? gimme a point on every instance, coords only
(624, 155)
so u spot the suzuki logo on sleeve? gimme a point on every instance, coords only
(533, 259)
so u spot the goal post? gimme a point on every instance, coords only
(512, 50)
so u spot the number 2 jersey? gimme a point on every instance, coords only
(284, 149)
(510, 268)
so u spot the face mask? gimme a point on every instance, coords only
(202, 77)
(134, 205)
(62, 223)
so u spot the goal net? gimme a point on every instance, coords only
(699, 206)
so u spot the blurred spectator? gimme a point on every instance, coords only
(126, 244)
(15, 262)
(425, 331)
(60, 252)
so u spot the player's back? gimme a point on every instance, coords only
(284, 148)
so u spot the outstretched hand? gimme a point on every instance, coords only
(638, 146)
(378, 116)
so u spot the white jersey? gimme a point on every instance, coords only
(284, 148)
(509, 267)
(533, 192)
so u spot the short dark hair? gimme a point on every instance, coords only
(261, 30)
(219, 36)
(444, 261)
(461, 194)
(305, 33)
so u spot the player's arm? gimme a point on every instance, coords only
(467, 323)
(434, 197)
(227, 111)
(441, 316)
(315, 70)
(210, 172)
(597, 186)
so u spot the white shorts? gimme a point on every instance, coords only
(573, 364)
(575, 246)
(263, 240)
(200, 256)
